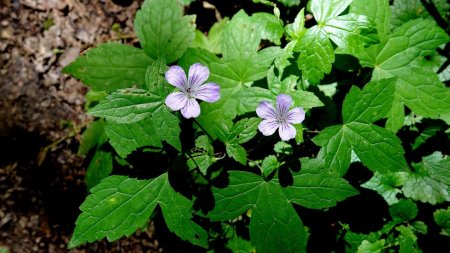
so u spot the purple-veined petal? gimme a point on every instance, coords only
(268, 127)
(296, 115)
(283, 103)
(209, 92)
(176, 76)
(266, 110)
(287, 132)
(177, 100)
(191, 109)
(198, 74)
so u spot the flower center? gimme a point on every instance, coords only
(189, 93)
(281, 119)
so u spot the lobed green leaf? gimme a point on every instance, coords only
(370, 104)
(127, 106)
(162, 29)
(110, 66)
(119, 205)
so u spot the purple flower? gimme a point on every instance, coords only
(190, 89)
(280, 118)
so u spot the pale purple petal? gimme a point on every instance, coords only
(268, 127)
(177, 100)
(266, 110)
(283, 103)
(177, 77)
(287, 132)
(191, 109)
(198, 74)
(209, 92)
(296, 115)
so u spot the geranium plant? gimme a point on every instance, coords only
(241, 128)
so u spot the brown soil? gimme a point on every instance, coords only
(42, 114)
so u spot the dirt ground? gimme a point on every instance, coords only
(41, 115)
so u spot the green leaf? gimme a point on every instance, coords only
(396, 116)
(125, 138)
(407, 240)
(368, 247)
(127, 106)
(423, 188)
(328, 9)
(234, 135)
(177, 211)
(376, 10)
(237, 197)
(316, 55)
(119, 205)
(200, 160)
(110, 66)
(420, 89)
(428, 183)
(442, 218)
(410, 41)
(419, 227)
(99, 167)
(237, 152)
(154, 78)
(93, 136)
(269, 164)
(239, 245)
(298, 27)
(404, 210)
(243, 131)
(370, 104)
(282, 147)
(162, 29)
(377, 148)
(270, 26)
(438, 166)
(305, 99)
(202, 156)
(350, 32)
(336, 149)
(212, 42)
(317, 188)
(423, 93)
(430, 180)
(405, 10)
(240, 43)
(272, 214)
(387, 185)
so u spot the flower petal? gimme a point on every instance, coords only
(191, 109)
(283, 103)
(209, 92)
(296, 115)
(266, 110)
(176, 76)
(198, 74)
(177, 100)
(287, 132)
(268, 127)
